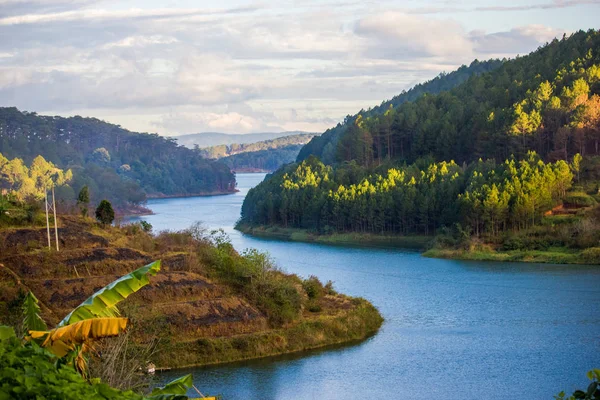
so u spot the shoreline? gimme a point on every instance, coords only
(590, 256)
(347, 328)
(338, 239)
(177, 196)
(524, 256)
(141, 210)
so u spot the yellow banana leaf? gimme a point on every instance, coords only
(63, 339)
(102, 303)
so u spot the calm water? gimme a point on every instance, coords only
(453, 330)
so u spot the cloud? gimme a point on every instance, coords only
(520, 40)
(542, 6)
(396, 35)
(243, 69)
(18, 7)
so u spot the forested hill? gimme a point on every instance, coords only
(116, 164)
(325, 146)
(495, 157)
(546, 101)
(263, 160)
(208, 139)
(272, 144)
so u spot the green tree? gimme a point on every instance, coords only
(105, 213)
(576, 164)
(83, 199)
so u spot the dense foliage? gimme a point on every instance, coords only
(325, 146)
(21, 183)
(547, 101)
(419, 198)
(30, 372)
(113, 162)
(236, 148)
(263, 160)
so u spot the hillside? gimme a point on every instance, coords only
(207, 305)
(122, 166)
(225, 150)
(506, 161)
(324, 146)
(546, 101)
(209, 139)
(262, 160)
(265, 156)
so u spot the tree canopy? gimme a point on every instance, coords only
(547, 101)
(113, 162)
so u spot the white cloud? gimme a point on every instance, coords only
(242, 69)
(398, 35)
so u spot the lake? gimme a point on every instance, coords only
(453, 329)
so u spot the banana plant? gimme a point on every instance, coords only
(95, 318)
(103, 303)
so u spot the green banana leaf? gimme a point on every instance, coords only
(177, 386)
(102, 303)
(31, 315)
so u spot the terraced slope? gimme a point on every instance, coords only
(197, 319)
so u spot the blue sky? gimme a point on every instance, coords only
(184, 66)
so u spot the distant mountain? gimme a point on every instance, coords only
(208, 139)
(262, 160)
(226, 150)
(267, 155)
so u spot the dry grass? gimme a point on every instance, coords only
(206, 305)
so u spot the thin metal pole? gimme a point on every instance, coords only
(55, 220)
(47, 218)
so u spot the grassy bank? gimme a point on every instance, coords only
(339, 239)
(353, 325)
(550, 256)
(489, 252)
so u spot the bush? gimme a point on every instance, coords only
(591, 255)
(513, 243)
(313, 287)
(578, 199)
(105, 213)
(146, 226)
(30, 372)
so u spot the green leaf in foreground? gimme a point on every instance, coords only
(177, 386)
(102, 303)
(6, 332)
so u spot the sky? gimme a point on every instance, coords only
(176, 66)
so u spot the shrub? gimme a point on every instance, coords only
(513, 243)
(30, 372)
(105, 213)
(591, 255)
(313, 287)
(578, 199)
(146, 226)
(329, 288)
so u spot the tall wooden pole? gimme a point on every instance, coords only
(47, 218)
(55, 220)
